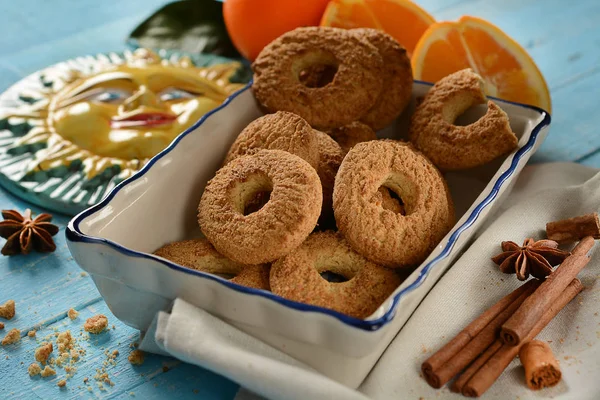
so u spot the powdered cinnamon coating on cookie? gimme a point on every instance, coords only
(397, 79)
(452, 147)
(280, 131)
(383, 236)
(278, 227)
(199, 254)
(348, 136)
(297, 276)
(330, 158)
(349, 96)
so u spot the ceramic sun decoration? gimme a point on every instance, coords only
(71, 132)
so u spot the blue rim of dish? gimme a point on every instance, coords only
(74, 234)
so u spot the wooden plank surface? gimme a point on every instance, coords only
(562, 37)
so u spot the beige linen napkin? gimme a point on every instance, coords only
(543, 193)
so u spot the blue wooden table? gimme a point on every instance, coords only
(564, 40)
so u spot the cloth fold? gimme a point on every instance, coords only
(543, 193)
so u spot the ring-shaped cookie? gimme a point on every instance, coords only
(452, 147)
(397, 77)
(383, 236)
(200, 255)
(348, 136)
(297, 277)
(279, 131)
(330, 158)
(353, 91)
(278, 227)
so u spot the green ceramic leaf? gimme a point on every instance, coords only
(192, 26)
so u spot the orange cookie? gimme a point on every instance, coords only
(452, 147)
(297, 277)
(281, 225)
(383, 236)
(199, 254)
(349, 135)
(280, 131)
(397, 77)
(353, 91)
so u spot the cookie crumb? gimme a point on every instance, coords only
(136, 357)
(86, 379)
(43, 352)
(96, 324)
(84, 274)
(46, 372)
(7, 310)
(64, 341)
(31, 333)
(1, 326)
(62, 383)
(72, 313)
(34, 369)
(13, 336)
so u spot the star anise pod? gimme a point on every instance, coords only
(534, 257)
(23, 233)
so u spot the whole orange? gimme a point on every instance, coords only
(252, 24)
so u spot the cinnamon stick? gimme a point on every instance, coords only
(574, 229)
(493, 368)
(541, 367)
(474, 339)
(473, 368)
(530, 312)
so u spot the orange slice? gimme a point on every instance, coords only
(402, 19)
(508, 71)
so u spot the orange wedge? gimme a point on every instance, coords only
(508, 71)
(402, 19)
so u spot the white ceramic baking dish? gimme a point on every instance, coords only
(114, 239)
